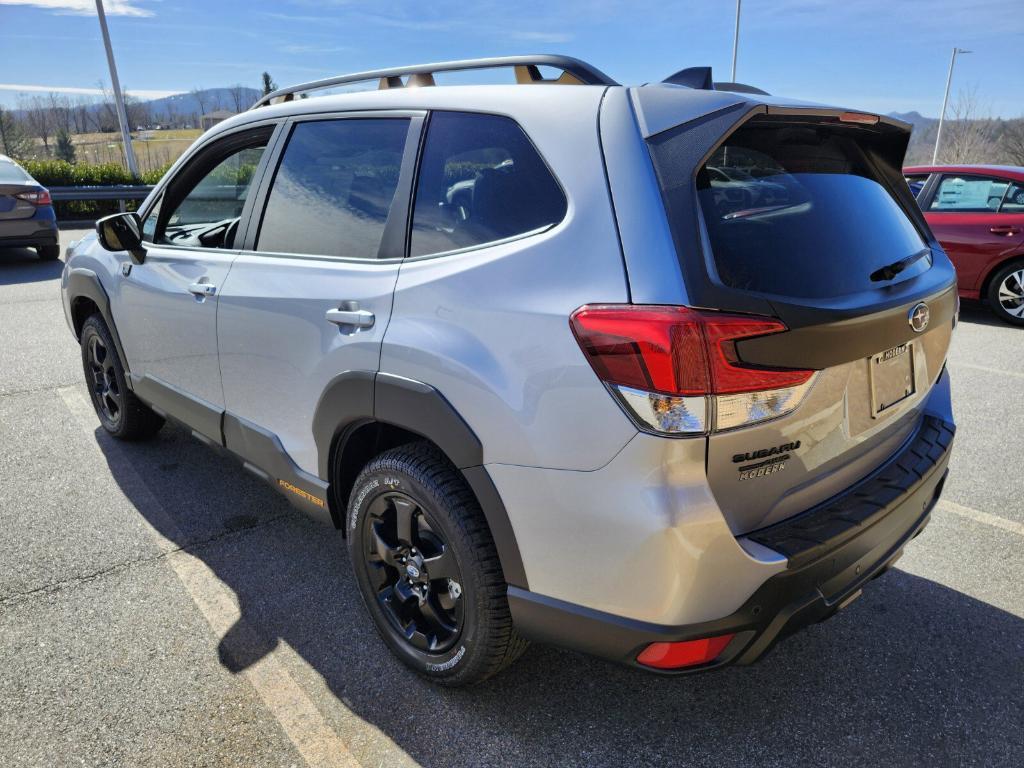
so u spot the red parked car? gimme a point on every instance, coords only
(977, 213)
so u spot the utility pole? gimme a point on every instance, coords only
(122, 115)
(945, 101)
(735, 42)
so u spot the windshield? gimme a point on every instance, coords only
(796, 208)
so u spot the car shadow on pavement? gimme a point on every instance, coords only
(22, 265)
(913, 673)
(979, 313)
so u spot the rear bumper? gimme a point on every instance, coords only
(832, 550)
(41, 229)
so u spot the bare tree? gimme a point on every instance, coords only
(14, 141)
(1011, 143)
(38, 118)
(202, 99)
(969, 136)
(237, 94)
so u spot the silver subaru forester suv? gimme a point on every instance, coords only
(656, 373)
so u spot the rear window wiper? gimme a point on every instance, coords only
(889, 271)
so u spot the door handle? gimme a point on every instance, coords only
(1004, 230)
(360, 318)
(202, 289)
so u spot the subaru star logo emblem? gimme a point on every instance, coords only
(918, 317)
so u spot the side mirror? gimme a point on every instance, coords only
(122, 232)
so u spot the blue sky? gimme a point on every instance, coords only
(880, 55)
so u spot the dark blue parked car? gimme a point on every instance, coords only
(26, 212)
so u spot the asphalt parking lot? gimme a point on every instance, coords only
(159, 606)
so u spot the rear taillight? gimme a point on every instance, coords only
(39, 197)
(677, 371)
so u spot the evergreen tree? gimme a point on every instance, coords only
(64, 149)
(269, 86)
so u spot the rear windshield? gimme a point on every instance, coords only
(796, 208)
(11, 173)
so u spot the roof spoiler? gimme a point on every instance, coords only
(700, 78)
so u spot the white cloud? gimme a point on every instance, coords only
(73, 90)
(85, 7)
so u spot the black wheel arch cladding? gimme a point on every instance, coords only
(357, 398)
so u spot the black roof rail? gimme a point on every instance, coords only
(574, 72)
(700, 78)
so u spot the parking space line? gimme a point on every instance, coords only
(981, 517)
(303, 723)
(987, 369)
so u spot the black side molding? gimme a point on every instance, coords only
(168, 400)
(83, 283)
(262, 450)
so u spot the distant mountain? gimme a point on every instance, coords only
(915, 118)
(235, 99)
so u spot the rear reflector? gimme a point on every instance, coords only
(667, 364)
(688, 653)
(41, 197)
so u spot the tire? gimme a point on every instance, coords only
(1006, 293)
(435, 588)
(120, 412)
(48, 252)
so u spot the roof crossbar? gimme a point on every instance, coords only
(574, 71)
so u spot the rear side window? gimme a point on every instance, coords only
(970, 194)
(334, 187)
(796, 208)
(480, 181)
(1014, 200)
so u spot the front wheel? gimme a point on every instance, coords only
(120, 412)
(427, 567)
(1006, 293)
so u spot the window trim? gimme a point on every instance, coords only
(416, 119)
(966, 211)
(490, 243)
(182, 166)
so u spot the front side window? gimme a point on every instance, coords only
(480, 181)
(203, 204)
(333, 189)
(797, 208)
(969, 194)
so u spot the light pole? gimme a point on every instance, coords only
(735, 41)
(945, 101)
(122, 116)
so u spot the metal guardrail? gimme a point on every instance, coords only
(118, 192)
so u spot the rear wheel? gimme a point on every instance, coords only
(1006, 293)
(48, 252)
(120, 412)
(427, 567)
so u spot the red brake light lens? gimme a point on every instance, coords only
(676, 350)
(688, 653)
(42, 197)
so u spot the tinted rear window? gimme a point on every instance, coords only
(796, 208)
(12, 174)
(480, 181)
(333, 189)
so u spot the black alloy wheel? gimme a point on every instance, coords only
(103, 384)
(414, 572)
